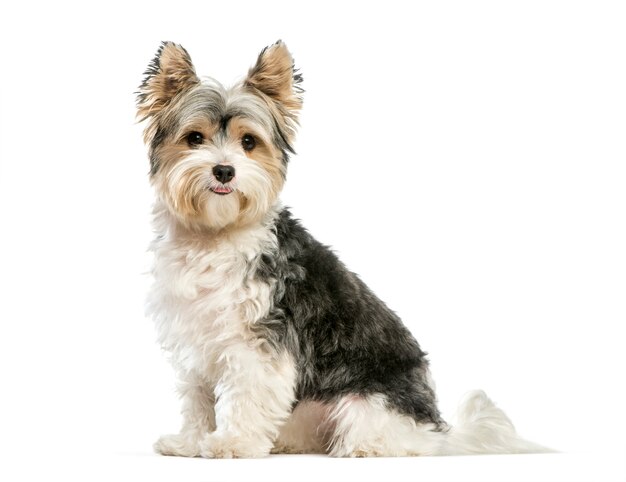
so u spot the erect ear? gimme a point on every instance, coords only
(169, 73)
(275, 76)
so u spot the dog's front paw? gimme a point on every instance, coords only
(177, 444)
(225, 446)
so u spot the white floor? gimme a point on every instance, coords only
(303, 468)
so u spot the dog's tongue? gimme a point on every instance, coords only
(222, 189)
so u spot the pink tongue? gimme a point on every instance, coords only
(222, 189)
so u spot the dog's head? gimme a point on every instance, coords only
(218, 155)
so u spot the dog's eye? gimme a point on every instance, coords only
(248, 142)
(195, 138)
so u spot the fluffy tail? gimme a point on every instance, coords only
(482, 428)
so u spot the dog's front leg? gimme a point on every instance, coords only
(198, 419)
(254, 397)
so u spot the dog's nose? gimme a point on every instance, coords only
(223, 173)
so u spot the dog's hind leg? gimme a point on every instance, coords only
(365, 426)
(305, 431)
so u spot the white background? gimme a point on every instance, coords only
(466, 158)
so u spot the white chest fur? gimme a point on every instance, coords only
(205, 295)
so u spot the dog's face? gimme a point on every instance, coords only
(219, 156)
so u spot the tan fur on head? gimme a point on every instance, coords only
(185, 174)
(169, 73)
(265, 154)
(274, 76)
(177, 104)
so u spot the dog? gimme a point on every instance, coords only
(277, 346)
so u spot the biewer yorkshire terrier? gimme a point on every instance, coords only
(278, 347)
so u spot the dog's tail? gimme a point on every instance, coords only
(483, 428)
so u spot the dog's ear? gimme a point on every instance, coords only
(169, 73)
(275, 76)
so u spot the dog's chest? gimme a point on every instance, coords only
(206, 295)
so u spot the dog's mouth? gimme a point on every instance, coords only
(221, 190)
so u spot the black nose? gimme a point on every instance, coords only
(223, 173)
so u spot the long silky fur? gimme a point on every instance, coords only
(277, 346)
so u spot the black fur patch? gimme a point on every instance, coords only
(159, 136)
(344, 339)
(224, 121)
